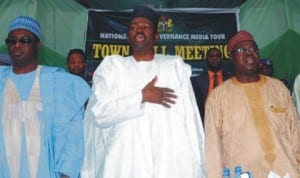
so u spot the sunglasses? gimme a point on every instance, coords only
(25, 40)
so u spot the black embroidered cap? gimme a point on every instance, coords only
(146, 12)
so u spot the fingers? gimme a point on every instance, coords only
(168, 97)
(159, 95)
(166, 105)
(167, 102)
(165, 90)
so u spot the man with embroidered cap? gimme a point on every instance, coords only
(250, 119)
(142, 119)
(41, 111)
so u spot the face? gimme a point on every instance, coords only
(76, 64)
(245, 57)
(23, 47)
(141, 34)
(214, 59)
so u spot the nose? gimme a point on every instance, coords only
(139, 28)
(18, 44)
(248, 51)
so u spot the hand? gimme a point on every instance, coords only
(158, 95)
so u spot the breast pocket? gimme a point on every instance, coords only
(278, 117)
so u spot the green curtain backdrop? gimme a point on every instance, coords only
(275, 25)
(62, 22)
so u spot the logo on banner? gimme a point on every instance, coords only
(165, 24)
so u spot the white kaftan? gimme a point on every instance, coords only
(296, 93)
(127, 139)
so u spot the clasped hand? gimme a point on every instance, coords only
(158, 95)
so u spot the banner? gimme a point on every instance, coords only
(185, 32)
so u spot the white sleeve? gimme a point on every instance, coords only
(107, 105)
(296, 94)
(194, 123)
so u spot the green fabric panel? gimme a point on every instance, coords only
(269, 19)
(51, 58)
(63, 24)
(284, 53)
(275, 26)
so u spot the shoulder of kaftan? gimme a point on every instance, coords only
(64, 84)
(183, 69)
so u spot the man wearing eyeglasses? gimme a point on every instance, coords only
(41, 111)
(250, 119)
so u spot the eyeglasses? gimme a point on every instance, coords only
(25, 40)
(243, 50)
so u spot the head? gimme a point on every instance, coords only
(266, 67)
(5, 60)
(243, 51)
(76, 61)
(142, 31)
(214, 59)
(23, 42)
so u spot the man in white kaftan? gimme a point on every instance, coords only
(128, 139)
(142, 119)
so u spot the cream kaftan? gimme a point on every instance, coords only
(253, 125)
(128, 139)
